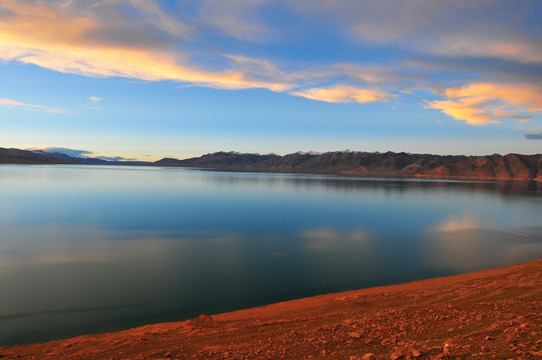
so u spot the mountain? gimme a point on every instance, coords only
(508, 167)
(491, 167)
(17, 156)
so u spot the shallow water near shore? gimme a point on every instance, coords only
(91, 249)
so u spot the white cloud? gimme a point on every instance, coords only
(93, 102)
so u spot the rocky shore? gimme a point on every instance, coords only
(492, 314)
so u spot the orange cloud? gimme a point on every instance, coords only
(42, 36)
(341, 93)
(487, 103)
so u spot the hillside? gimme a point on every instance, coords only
(16, 156)
(494, 167)
(389, 164)
(485, 315)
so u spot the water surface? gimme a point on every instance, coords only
(90, 249)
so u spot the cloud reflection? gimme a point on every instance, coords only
(327, 238)
(71, 244)
(457, 223)
(466, 244)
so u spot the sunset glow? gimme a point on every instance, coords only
(147, 79)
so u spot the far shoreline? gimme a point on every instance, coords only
(510, 167)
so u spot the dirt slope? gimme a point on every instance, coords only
(493, 314)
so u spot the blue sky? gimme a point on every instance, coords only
(145, 79)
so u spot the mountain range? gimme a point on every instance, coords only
(389, 164)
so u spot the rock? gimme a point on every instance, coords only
(355, 335)
(416, 353)
(205, 317)
(368, 356)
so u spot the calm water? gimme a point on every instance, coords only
(93, 249)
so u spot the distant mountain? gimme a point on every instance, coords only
(17, 156)
(492, 167)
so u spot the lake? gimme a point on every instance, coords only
(87, 249)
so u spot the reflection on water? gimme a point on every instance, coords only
(89, 249)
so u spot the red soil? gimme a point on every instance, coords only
(492, 314)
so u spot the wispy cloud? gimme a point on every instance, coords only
(534, 136)
(113, 158)
(63, 150)
(11, 102)
(93, 101)
(426, 42)
(237, 18)
(79, 42)
(79, 153)
(15, 103)
(458, 28)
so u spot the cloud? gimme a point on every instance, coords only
(10, 103)
(424, 42)
(113, 158)
(67, 42)
(62, 150)
(93, 102)
(489, 103)
(15, 103)
(342, 93)
(79, 153)
(534, 136)
(236, 18)
(94, 99)
(457, 27)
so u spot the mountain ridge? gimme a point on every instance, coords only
(389, 164)
(488, 167)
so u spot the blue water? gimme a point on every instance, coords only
(88, 249)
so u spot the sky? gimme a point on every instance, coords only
(145, 79)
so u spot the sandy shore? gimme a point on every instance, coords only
(489, 314)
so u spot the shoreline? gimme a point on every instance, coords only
(345, 174)
(509, 167)
(484, 314)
